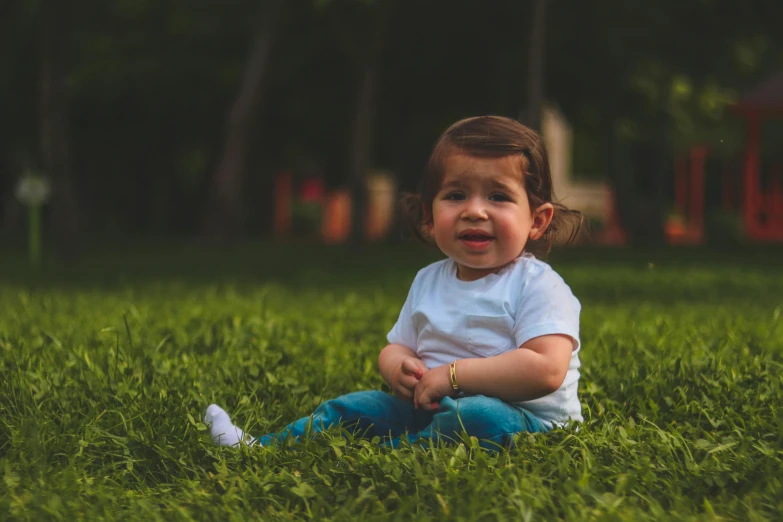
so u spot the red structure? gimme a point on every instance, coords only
(762, 203)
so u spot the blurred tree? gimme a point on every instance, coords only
(366, 54)
(360, 28)
(225, 211)
(536, 53)
(19, 39)
(54, 128)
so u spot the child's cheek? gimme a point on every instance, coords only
(504, 229)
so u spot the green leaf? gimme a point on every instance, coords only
(722, 447)
(303, 490)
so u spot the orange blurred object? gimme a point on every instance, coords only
(336, 221)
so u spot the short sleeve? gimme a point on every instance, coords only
(404, 332)
(546, 307)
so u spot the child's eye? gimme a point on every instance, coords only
(455, 196)
(498, 196)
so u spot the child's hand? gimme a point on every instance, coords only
(432, 387)
(406, 377)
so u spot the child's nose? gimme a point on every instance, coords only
(474, 209)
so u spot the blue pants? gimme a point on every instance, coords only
(375, 413)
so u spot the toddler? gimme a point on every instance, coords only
(488, 338)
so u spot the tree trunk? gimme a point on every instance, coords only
(361, 143)
(54, 132)
(658, 162)
(224, 211)
(535, 75)
(638, 173)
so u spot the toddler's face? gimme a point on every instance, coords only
(481, 217)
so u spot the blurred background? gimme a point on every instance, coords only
(287, 119)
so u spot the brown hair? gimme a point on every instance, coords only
(494, 137)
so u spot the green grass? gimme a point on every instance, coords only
(107, 365)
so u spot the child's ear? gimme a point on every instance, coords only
(426, 213)
(542, 217)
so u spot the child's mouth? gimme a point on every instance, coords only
(476, 240)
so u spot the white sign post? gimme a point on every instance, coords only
(33, 190)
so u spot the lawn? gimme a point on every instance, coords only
(107, 365)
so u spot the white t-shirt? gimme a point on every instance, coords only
(444, 319)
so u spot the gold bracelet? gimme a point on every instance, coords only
(453, 374)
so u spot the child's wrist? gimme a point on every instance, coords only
(453, 378)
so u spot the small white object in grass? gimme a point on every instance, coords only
(33, 189)
(222, 430)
